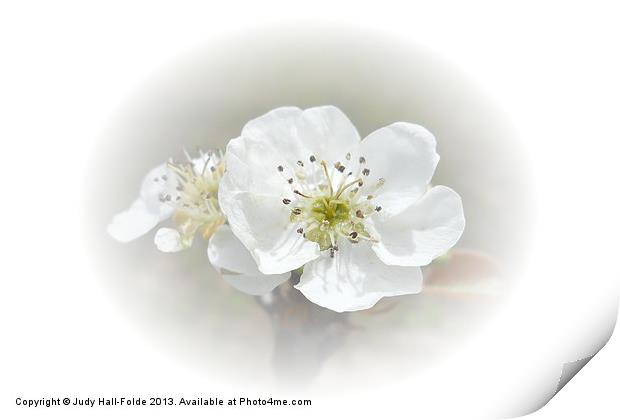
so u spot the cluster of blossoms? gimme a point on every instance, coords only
(299, 190)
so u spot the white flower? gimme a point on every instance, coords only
(301, 189)
(188, 192)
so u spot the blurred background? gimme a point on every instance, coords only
(203, 100)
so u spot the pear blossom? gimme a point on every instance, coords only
(301, 190)
(187, 193)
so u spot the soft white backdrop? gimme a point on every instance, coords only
(66, 68)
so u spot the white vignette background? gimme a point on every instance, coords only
(71, 66)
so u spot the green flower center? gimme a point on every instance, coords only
(327, 211)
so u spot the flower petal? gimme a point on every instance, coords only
(404, 156)
(355, 279)
(227, 253)
(134, 222)
(146, 211)
(324, 132)
(170, 240)
(327, 133)
(157, 182)
(250, 196)
(262, 224)
(423, 231)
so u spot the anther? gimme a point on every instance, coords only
(290, 180)
(360, 183)
(359, 214)
(300, 163)
(296, 211)
(280, 168)
(286, 201)
(331, 252)
(312, 158)
(378, 208)
(300, 230)
(341, 168)
(164, 177)
(362, 159)
(366, 171)
(353, 235)
(348, 156)
(370, 197)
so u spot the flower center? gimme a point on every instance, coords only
(330, 203)
(195, 195)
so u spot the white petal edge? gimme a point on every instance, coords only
(404, 155)
(422, 232)
(132, 223)
(229, 257)
(355, 279)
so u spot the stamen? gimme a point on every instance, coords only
(329, 180)
(302, 194)
(344, 187)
